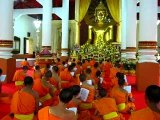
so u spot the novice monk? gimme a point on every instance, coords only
(19, 77)
(76, 96)
(45, 89)
(106, 108)
(87, 104)
(68, 77)
(25, 63)
(122, 98)
(24, 103)
(152, 112)
(37, 72)
(59, 112)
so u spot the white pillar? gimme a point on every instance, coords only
(65, 30)
(148, 30)
(47, 24)
(6, 28)
(123, 28)
(131, 29)
(77, 4)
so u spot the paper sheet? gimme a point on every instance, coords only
(84, 94)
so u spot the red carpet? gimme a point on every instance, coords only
(139, 98)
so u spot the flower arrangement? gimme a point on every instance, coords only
(129, 64)
(104, 50)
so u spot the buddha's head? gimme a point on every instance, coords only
(101, 13)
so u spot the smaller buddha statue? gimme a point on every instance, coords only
(102, 29)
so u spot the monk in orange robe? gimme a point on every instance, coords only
(19, 77)
(67, 77)
(107, 84)
(106, 108)
(45, 89)
(25, 102)
(85, 64)
(25, 63)
(59, 112)
(121, 96)
(76, 96)
(45, 69)
(152, 111)
(86, 105)
(92, 62)
(79, 68)
(62, 67)
(37, 73)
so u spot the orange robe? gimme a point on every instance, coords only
(122, 102)
(25, 63)
(86, 107)
(88, 103)
(22, 103)
(19, 78)
(7, 117)
(43, 70)
(44, 114)
(37, 75)
(79, 70)
(145, 114)
(113, 72)
(92, 62)
(43, 92)
(107, 84)
(67, 79)
(107, 108)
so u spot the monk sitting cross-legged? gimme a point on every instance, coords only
(76, 97)
(86, 106)
(45, 89)
(37, 72)
(68, 77)
(59, 112)
(24, 103)
(152, 112)
(125, 104)
(19, 77)
(106, 108)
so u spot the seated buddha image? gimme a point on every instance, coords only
(102, 28)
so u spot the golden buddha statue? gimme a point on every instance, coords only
(101, 28)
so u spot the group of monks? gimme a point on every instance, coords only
(95, 90)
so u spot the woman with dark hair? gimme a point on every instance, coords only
(152, 111)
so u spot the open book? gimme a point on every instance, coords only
(125, 78)
(2, 78)
(128, 88)
(74, 109)
(84, 94)
(89, 82)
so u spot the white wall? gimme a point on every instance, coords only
(22, 25)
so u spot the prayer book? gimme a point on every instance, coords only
(2, 78)
(74, 109)
(84, 94)
(89, 82)
(128, 88)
